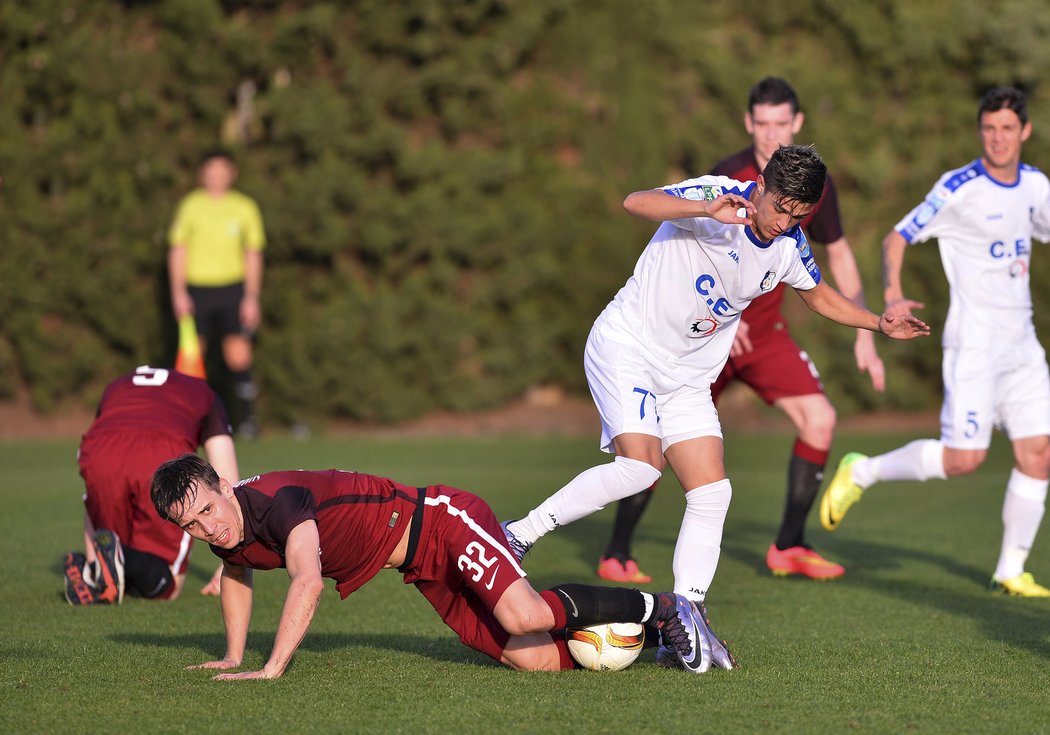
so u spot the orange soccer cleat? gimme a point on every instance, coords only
(613, 570)
(801, 560)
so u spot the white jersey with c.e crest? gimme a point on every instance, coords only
(985, 230)
(681, 307)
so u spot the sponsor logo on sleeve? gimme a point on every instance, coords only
(924, 214)
(698, 193)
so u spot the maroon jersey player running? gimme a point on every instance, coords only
(144, 418)
(447, 542)
(766, 358)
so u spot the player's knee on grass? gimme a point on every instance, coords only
(147, 575)
(536, 652)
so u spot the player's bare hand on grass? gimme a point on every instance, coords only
(726, 209)
(262, 674)
(222, 664)
(903, 327)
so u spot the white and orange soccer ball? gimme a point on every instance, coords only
(608, 647)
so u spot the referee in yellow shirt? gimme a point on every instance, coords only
(215, 267)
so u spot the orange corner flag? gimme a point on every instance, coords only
(189, 360)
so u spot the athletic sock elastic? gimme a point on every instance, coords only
(805, 472)
(700, 538)
(580, 605)
(587, 493)
(628, 512)
(920, 460)
(1023, 509)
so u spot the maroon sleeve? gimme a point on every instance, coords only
(217, 422)
(740, 166)
(291, 505)
(825, 226)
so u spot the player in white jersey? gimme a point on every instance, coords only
(984, 216)
(653, 353)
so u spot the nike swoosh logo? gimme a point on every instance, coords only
(696, 649)
(575, 610)
(492, 579)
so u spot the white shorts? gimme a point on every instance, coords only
(633, 397)
(1007, 389)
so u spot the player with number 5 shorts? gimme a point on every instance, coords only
(984, 217)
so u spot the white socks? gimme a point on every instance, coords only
(919, 460)
(700, 538)
(1023, 505)
(587, 493)
(1022, 511)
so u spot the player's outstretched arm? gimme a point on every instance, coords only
(302, 558)
(903, 326)
(659, 206)
(829, 303)
(236, 599)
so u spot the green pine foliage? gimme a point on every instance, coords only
(441, 181)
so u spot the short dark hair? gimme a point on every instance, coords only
(772, 91)
(174, 483)
(212, 153)
(796, 172)
(1003, 98)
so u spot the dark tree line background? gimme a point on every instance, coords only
(441, 180)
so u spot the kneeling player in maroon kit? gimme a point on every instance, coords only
(447, 542)
(144, 418)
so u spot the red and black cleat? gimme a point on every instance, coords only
(78, 591)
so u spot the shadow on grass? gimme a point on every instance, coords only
(259, 644)
(853, 554)
(1022, 623)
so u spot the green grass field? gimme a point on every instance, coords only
(908, 640)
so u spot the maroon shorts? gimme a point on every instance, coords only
(462, 566)
(776, 368)
(117, 468)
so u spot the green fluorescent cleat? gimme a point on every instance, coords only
(841, 493)
(1023, 585)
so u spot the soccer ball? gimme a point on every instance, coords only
(606, 647)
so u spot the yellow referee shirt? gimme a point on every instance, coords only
(215, 233)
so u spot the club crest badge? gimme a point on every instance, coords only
(768, 280)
